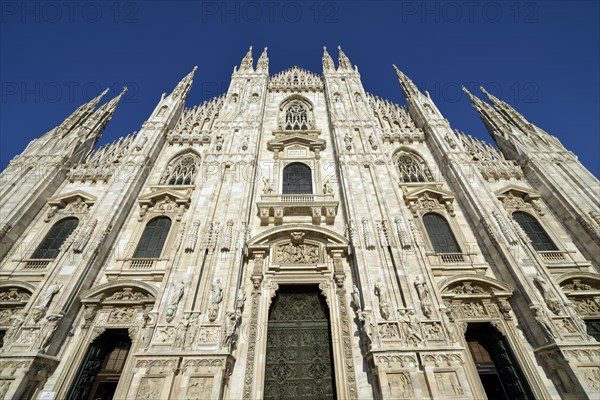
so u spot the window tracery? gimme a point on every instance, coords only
(295, 117)
(182, 171)
(412, 169)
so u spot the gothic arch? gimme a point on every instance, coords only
(411, 166)
(177, 173)
(289, 121)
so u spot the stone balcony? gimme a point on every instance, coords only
(273, 208)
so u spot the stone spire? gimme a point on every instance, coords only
(328, 64)
(343, 61)
(262, 65)
(79, 115)
(509, 112)
(490, 117)
(407, 85)
(247, 61)
(183, 87)
(93, 127)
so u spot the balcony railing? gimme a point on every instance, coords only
(142, 263)
(39, 263)
(273, 208)
(553, 255)
(296, 198)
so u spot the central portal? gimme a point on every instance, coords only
(299, 353)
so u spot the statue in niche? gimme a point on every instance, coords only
(216, 296)
(384, 308)
(543, 319)
(174, 298)
(49, 294)
(356, 298)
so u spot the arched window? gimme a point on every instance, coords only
(412, 169)
(538, 236)
(296, 118)
(153, 239)
(297, 179)
(439, 232)
(56, 236)
(182, 171)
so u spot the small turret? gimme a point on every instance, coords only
(247, 61)
(328, 65)
(343, 61)
(262, 65)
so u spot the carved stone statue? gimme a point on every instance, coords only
(549, 297)
(544, 321)
(49, 294)
(423, 294)
(232, 322)
(384, 308)
(356, 298)
(174, 298)
(267, 186)
(327, 188)
(216, 296)
(48, 330)
(241, 299)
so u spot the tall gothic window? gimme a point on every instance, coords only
(296, 117)
(297, 179)
(182, 171)
(56, 236)
(439, 232)
(153, 238)
(538, 236)
(412, 169)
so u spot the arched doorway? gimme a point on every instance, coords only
(102, 367)
(299, 359)
(500, 375)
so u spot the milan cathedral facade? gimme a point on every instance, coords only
(298, 237)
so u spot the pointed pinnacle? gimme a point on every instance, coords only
(484, 91)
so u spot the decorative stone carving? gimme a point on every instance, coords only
(121, 315)
(367, 234)
(192, 237)
(216, 296)
(200, 388)
(150, 389)
(403, 233)
(400, 385)
(468, 288)
(84, 236)
(473, 309)
(227, 236)
(14, 294)
(448, 384)
(290, 253)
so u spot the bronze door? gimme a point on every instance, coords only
(299, 362)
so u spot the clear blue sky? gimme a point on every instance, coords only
(541, 57)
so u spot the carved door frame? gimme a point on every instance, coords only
(328, 275)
